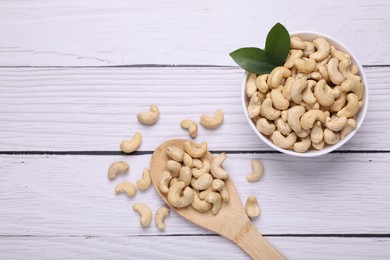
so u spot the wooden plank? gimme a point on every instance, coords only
(72, 196)
(184, 247)
(94, 109)
(98, 32)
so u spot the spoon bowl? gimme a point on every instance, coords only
(230, 222)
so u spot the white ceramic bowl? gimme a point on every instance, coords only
(310, 36)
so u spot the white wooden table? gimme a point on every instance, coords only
(74, 73)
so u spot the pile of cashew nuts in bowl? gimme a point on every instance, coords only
(311, 105)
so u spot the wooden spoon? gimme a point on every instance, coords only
(231, 221)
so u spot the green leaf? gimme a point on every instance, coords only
(277, 43)
(254, 60)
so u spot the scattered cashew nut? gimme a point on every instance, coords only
(149, 117)
(191, 126)
(127, 187)
(144, 183)
(116, 168)
(212, 121)
(129, 146)
(144, 212)
(160, 216)
(257, 171)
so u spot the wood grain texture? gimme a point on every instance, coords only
(204, 247)
(97, 32)
(94, 109)
(72, 196)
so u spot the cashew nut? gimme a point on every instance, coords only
(282, 126)
(335, 91)
(261, 83)
(160, 216)
(149, 117)
(204, 169)
(307, 94)
(353, 85)
(277, 75)
(309, 49)
(294, 116)
(315, 75)
(200, 205)
(278, 100)
(303, 145)
(339, 54)
(203, 182)
(354, 69)
(339, 102)
(216, 167)
(336, 123)
(187, 160)
(324, 73)
(116, 168)
(191, 126)
(323, 63)
(144, 183)
(203, 194)
(317, 133)
(294, 55)
(333, 71)
(174, 167)
(173, 181)
(268, 111)
(345, 69)
(175, 153)
(284, 115)
(195, 151)
(254, 106)
(196, 163)
(297, 43)
(321, 92)
(164, 180)
(174, 197)
(264, 127)
(296, 89)
(127, 187)
(351, 125)
(224, 194)
(331, 137)
(323, 49)
(250, 86)
(352, 107)
(212, 121)
(129, 146)
(283, 142)
(252, 207)
(318, 146)
(308, 118)
(257, 171)
(185, 175)
(305, 65)
(215, 199)
(144, 212)
(217, 185)
(287, 88)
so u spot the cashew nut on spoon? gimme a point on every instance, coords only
(232, 212)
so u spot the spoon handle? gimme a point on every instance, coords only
(255, 245)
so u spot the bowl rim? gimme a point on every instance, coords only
(359, 119)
